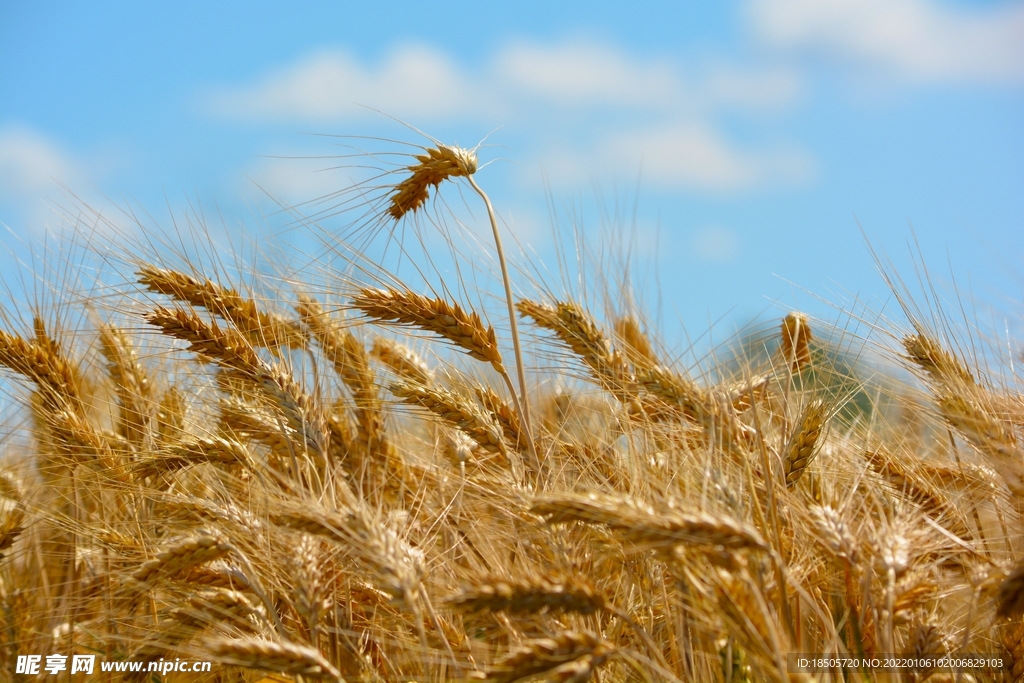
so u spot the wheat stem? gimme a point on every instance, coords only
(523, 402)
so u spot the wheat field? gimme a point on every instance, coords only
(359, 481)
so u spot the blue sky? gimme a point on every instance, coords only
(744, 145)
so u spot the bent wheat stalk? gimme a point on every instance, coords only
(523, 402)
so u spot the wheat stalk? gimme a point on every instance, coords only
(437, 165)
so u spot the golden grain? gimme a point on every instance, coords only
(434, 167)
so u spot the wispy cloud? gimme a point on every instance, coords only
(561, 91)
(688, 155)
(32, 170)
(715, 243)
(697, 156)
(520, 79)
(32, 165)
(46, 187)
(921, 40)
(412, 81)
(584, 73)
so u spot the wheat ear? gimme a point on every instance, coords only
(233, 352)
(528, 595)
(434, 167)
(448, 320)
(1012, 644)
(637, 347)
(352, 363)
(12, 518)
(940, 365)
(802, 443)
(398, 566)
(269, 655)
(403, 361)
(834, 533)
(511, 425)
(170, 417)
(455, 409)
(1010, 602)
(642, 525)
(577, 330)
(986, 432)
(967, 408)
(134, 389)
(43, 362)
(185, 554)
(796, 341)
(570, 656)
(212, 450)
(451, 322)
(259, 327)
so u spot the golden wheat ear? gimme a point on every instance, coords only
(402, 360)
(436, 166)
(269, 655)
(533, 594)
(796, 341)
(352, 363)
(801, 448)
(259, 327)
(445, 319)
(570, 656)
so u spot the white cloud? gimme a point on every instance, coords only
(715, 243)
(753, 89)
(917, 39)
(689, 155)
(31, 166)
(43, 187)
(413, 81)
(420, 82)
(528, 84)
(33, 170)
(582, 73)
